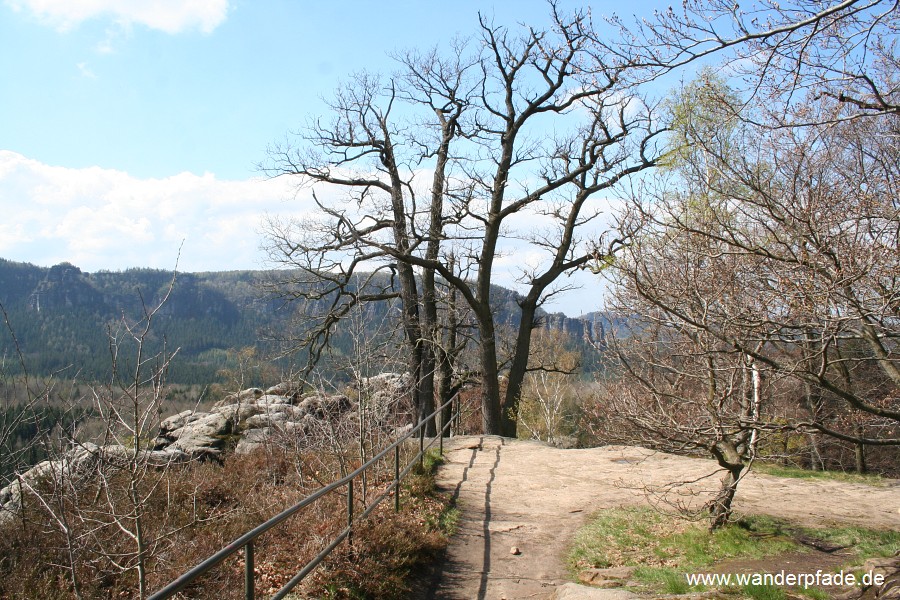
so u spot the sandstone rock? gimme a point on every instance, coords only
(882, 566)
(272, 399)
(248, 395)
(606, 578)
(266, 419)
(208, 424)
(889, 568)
(198, 438)
(178, 421)
(238, 413)
(382, 392)
(285, 388)
(253, 439)
(78, 462)
(324, 406)
(574, 591)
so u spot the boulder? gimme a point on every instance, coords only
(238, 413)
(178, 421)
(253, 439)
(574, 591)
(266, 419)
(272, 400)
(889, 589)
(248, 395)
(324, 406)
(77, 462)
(200, 437)
(285, 388)
(606, 578)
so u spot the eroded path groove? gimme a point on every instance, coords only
(532, 497)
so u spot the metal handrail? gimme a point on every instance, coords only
(246, 541)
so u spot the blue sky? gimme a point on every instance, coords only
(126, 129)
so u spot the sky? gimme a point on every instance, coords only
(130, 130)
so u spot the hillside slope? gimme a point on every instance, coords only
(63, 318)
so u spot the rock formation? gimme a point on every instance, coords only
(242, 422)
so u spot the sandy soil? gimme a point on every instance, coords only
(532, 497)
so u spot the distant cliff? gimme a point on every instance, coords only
(63, 317)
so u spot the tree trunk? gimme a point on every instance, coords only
(423, 399)
(490, 375)
(720, 509)
(426, 386)
(445, 355)
(517, 369)
(860, 454)
(729, 458)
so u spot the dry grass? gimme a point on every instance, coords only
(193, 511)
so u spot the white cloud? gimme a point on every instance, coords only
(85, 71)
(101, 218)
(170, 16)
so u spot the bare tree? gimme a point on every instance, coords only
(794, 51)
(548, 406)
(775, 251)
(130, 406)
(17, 408)
(673, 385)
(495, 160)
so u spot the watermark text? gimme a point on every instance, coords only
(804, 580)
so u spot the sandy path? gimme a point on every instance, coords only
(527, 495)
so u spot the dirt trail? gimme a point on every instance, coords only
(533, 497)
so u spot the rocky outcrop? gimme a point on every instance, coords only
(243, 421)
(65, 286)
(381, 393)
(248, 420)
(78, 462)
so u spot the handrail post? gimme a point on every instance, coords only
(422, 445)
(249, 579)
(350, 511)
(397, 478)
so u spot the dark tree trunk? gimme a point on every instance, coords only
(445, 357)
(423, 385)
(721, 508)
(729, 458)
(517, 369)
(490, 375)
(860, 454)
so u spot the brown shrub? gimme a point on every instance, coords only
(193, 511)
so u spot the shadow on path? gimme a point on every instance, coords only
(486, 566)
(438, 579)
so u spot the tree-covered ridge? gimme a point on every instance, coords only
(63, 318)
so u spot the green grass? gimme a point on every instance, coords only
(814, 593)
(431, 460)
(644, 537)
(664, 547)
(864, 542)
(798, 473)
(667, 580)
(764, 592)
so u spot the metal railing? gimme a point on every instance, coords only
(246, 540)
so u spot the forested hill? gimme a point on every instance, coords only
(63, 317)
